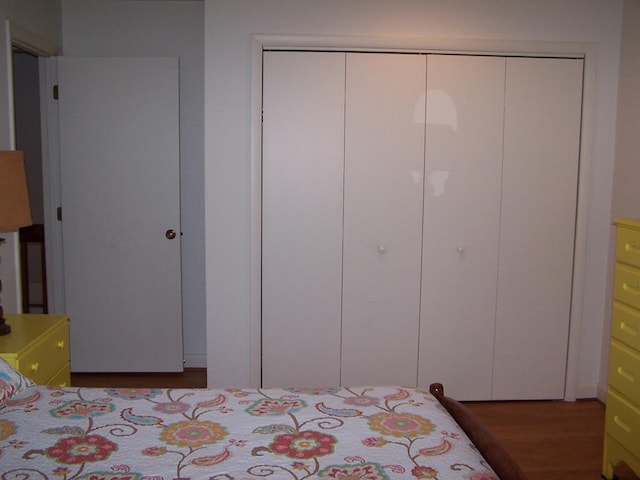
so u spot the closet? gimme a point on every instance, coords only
(418, 217)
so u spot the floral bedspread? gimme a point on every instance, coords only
(366, 433)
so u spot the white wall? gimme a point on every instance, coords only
(161, 28)
(626, 180)
(229, 25)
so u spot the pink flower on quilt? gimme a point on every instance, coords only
(7, 390)
(422, 472)
(303, 445)
(193, 433)
(78, 409)
(365, 471)
(269, 406)
(481, 476)
(74, 450)
(154, 451)
(362, 401)
(374, 442)
(400, 424)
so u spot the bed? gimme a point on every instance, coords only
(364, 433)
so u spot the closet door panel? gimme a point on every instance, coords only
(384, 164)
(541, 155)
(461, 222)
(302, 171)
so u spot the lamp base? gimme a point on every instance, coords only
(5, 328)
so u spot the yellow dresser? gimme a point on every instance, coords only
(622, 423)
(38, 347)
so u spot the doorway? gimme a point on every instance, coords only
(28, 137)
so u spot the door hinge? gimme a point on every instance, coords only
(59, 213)
(55, 92)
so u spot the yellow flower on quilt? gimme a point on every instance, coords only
(193, 433)
(7, 429)
(400, 424)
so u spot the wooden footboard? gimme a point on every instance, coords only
(489, 447)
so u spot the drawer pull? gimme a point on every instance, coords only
(60, 345)
(633, 289)
(35, 367)
(632, 247)
(624, 426)
(626, 375)
(630, 329)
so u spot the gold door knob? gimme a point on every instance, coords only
(170, 234)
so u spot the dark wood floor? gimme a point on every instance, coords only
(550, 440)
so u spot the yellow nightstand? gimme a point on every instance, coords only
(38, 347)
(622, 423)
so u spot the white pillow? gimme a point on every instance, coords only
(11, 382)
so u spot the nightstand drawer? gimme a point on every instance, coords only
(623, 422)
(628, 246)
(62, 378)
(626, 285)
(48, 355)
(625, 325)
(624, 370)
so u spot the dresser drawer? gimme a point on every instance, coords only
(624, 370)
(46, 356)
(626, 285)
(62, 378)
(625, 325)
(623, 422)
(628, 246)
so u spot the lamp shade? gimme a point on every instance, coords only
(14, 196)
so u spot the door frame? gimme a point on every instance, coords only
(17, 36)
(586, 51)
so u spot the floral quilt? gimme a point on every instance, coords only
(366, 433)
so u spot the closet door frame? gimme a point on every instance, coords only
(587, 51)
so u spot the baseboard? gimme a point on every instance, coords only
(592, 390)
(195, 361)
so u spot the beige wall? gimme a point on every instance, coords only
(41, 17)
(626, 180)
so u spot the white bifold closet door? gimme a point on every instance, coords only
(383, 185)
(500, 202)
(543, 105)
(461, 222)
(418, 220)
(302, 193)
(341, 267)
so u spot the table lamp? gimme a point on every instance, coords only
(14, 204)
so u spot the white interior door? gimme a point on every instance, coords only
(384, 165)
(119, 139)
(463, 164)
(539, 194)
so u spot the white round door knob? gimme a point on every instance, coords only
(382, 249)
